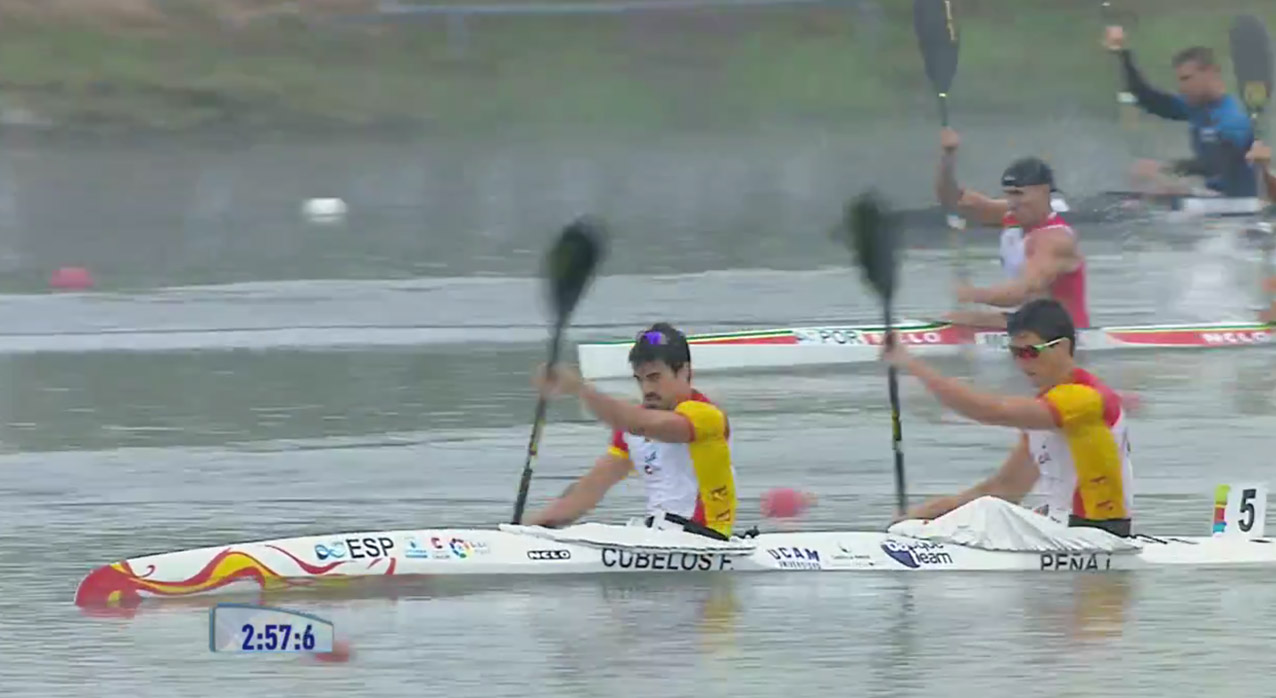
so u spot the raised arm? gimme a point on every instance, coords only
(971, 204)
(659, 425)
(1152, 100)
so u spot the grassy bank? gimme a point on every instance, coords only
(176, 66)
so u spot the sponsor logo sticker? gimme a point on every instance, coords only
(1242, 337)
(335, 550)
(796, 558)
(443, 548)
(845, 554)
(917, 554)
(549, 554)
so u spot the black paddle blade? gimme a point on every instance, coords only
(571, 263)
(936, 28)
(872, 232)
(1252, 59)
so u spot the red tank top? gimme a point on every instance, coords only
(1069, 287)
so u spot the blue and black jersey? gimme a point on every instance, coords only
(1221, 133)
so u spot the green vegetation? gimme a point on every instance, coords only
(187, 68)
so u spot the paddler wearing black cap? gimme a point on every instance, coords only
(1039, 250)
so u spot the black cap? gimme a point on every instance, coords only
(1027, 172)
(661, 342)
(1046, 318)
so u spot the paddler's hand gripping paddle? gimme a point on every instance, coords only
(569, 267)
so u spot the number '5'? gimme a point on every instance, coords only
(1247, 509)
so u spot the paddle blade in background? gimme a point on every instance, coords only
(1252, 59)
(937, 36)
(571, 262)
(872, 232)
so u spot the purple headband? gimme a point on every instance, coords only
(655, 337)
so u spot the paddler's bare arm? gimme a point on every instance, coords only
(1053, 253)
(971, 204)
(584, 494)
(1011, 482)
(987, 408)
(657, 425)
(1261, 154)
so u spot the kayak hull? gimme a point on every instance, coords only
(855, 344)
(319, 562)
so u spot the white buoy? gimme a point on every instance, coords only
(324, 210)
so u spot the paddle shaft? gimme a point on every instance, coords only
(1268, 242)
(897, 430)
(1252, 60)
(1256, 124)
(955, 222)
(937, 38)
(538, 423)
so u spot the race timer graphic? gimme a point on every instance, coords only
(252, 629)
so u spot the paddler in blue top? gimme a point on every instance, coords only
(1220, 129)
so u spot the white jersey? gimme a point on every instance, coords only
(694, 480)
(1013, 255)
(1014, 242)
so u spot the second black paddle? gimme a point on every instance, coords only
(1252, 58)
(872, 232)
(936, 30)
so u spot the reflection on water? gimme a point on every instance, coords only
(1091, 608)
(1101, 605)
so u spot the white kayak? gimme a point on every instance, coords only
(852, 344)
(1013, 541)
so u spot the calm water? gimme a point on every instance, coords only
(218, 212)
(109, 454)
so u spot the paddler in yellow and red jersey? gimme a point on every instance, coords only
(1039, 250)
(1073, 445)
(677, 440)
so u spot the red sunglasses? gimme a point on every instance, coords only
(1031, 351)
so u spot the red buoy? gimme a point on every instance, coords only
(71, 279)
(341, 652)
(785, 503)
